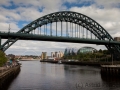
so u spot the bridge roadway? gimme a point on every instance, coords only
(22, 36)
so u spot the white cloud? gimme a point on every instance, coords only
(5, 26)
(28, 14)
(101, 3)
(108, 18)
(3, 18)
(108, 3)
(48, 4)
(5, 2)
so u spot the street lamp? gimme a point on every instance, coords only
(9, 28)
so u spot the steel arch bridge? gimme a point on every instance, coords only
(76, 25)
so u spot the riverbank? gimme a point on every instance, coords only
(29, 59)
(7, 75)
(82, 62)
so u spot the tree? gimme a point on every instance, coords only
(100, 51)
(3, 58)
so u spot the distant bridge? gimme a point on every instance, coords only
(64, 26)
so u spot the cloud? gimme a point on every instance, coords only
(108, 3)
(102, 3)
(2, 18)
(4, 27)
(105, 17)
(28, 14)
(5, 2)
(39, 3)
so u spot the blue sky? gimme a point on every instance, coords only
(19, 13)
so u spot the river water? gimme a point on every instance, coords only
(35, 75)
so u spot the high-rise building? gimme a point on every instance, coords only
(60, 54)
(52, 54)
(56, 54)
(44, 55)
(117, 38)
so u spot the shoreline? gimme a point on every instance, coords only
(83, 63)
(30, 60)
(7, 75)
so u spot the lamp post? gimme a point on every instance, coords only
(9, 28)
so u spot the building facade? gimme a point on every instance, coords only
(57, 54)
(117, 39)
(72, 51)
(44, 55)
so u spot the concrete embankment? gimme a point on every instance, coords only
(110, 70)
(7, 75)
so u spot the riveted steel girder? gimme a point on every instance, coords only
(22, 36)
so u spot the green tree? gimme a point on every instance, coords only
(100, 51)
(3, 59)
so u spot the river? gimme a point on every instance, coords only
(35, 75)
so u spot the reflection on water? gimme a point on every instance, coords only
(35, 75)
(111, 82)
(52, 71)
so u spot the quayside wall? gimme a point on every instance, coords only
(7, 75)
(82, 62)
(110, 70)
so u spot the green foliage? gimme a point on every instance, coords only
(3, 59)
(101, 55)
(106, 52)
(100, 51)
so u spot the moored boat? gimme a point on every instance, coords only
(59, 61)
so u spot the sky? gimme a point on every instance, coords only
(19, 13)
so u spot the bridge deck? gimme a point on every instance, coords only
(22, 36)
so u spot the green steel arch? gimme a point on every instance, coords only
(66, 16)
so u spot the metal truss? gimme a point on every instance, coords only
(66, 16)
